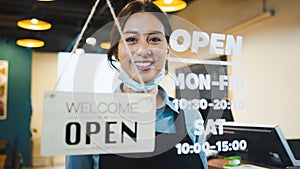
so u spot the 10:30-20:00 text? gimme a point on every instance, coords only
(203, 104)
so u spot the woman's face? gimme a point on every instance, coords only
(145, 36)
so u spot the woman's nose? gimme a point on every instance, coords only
(143, 49)
(143, 52)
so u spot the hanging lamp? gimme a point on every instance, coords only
(30, 43)
(34, 24)
(105, 45)
(170, 5)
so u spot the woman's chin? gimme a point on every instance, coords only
(143, 79)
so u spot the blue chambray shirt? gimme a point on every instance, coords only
(164, 123)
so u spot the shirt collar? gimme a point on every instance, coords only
(162, 92)
(166, 100)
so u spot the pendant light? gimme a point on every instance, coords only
(170, 5)
(30, 43)
(105, 45)
(34, 24)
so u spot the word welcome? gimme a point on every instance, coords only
(101, 107)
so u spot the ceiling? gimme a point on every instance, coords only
(66, 16)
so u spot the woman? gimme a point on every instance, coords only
(142, 53)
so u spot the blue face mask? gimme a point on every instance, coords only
(138, 87)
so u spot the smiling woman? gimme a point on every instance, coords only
(148, 48)
(141, 45)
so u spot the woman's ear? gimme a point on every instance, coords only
(116, 54)
(168, 50)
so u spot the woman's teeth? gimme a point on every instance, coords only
(143, 64)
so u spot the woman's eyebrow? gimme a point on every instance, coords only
(139, 33)
(131, 32)
(156, 32)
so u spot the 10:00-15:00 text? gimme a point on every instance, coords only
(220, 146)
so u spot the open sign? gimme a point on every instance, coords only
(89, 123)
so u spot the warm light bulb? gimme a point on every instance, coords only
(105, 45)
(79, 51)
(30, 44)
(91, 41)
(34, 21)
(168, 1)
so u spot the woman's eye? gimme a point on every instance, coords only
(155, 39)
(130, 40)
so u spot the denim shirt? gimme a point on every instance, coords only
(164, 123)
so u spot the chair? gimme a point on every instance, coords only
(16, 160)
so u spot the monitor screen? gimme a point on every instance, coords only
(295, 146)
(259, 144)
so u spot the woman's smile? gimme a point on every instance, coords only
(143, 65)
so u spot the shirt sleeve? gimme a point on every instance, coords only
(190, 117)
(80, 161)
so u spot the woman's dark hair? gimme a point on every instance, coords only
(130, 9)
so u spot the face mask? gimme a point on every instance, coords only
(138, 87)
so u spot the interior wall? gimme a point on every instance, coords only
(17, 124)
(271, 67)
(44, 77)
(270, 57)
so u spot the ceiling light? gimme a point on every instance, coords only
(79, 51)
(105, 45)
(34, 24)
(170, 5)
(30, 43)
(91, 41)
